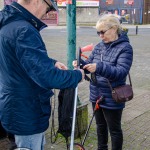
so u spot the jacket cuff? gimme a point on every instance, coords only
(54, 61)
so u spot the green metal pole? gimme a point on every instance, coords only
(71, 33)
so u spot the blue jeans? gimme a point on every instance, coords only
(33, 142)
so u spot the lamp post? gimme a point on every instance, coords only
(71, 32)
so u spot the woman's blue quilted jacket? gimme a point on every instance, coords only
(113, 63)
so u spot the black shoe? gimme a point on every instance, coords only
(3, 133)
(3, 136)
(12, 145)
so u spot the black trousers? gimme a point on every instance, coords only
(109, 120)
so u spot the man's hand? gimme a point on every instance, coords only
(60, 65)
(74, 63)
(90, 67)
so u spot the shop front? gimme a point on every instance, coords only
(130, 10)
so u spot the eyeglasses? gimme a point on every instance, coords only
(102, 32)
(50, 7)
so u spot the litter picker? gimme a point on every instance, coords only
(78, 146)
(79, 52)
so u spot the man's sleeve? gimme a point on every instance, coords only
(32, 54)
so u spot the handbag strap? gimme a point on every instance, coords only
(111, 86)
(130, 79)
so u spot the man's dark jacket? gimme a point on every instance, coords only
(27, 74)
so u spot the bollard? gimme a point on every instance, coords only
(136, 30)
(81, 121)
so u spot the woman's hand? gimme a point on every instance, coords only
(90, 67)
(60, 65)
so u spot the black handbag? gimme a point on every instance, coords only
(122, 93)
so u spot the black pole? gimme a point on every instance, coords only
(136, 30)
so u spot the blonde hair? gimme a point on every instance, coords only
(109, 20)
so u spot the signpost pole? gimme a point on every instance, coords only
(71, 32)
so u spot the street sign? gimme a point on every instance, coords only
(68, 1)
(109, 2)
(129, 2)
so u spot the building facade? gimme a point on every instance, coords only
(88, 11)
(130, 10)
(146, 12)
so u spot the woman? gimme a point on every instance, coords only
(110, 60)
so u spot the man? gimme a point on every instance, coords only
(27, 74)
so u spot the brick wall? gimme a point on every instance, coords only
(83, 15)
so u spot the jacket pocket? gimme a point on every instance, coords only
(45, 101)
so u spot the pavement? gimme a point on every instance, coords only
(136, 115)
